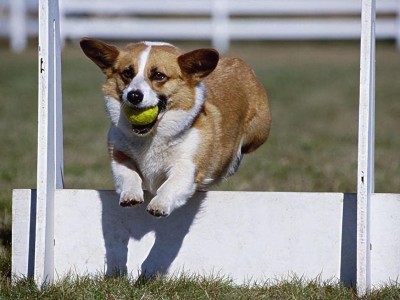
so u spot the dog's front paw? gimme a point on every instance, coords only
(158, 208)
(129, 199)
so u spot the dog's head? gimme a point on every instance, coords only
(145, 75)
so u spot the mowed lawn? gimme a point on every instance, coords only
(313, 90)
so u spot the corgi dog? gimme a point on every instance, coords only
(211, 111)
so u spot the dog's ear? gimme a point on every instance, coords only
(199, 63)
(100, 53)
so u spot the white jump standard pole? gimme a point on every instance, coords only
(365, 175)
(50, 136)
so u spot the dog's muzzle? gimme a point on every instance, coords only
(146, 129)
(135, 97)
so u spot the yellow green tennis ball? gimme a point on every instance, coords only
(141, 116)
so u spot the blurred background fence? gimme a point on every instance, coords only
(219, 21)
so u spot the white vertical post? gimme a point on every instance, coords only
(17, 21)
(50, 146)
(365, 180)
(61, 16)
(220, 34)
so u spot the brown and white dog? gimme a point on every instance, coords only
(211, 112)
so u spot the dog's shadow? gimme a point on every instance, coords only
(120, 225)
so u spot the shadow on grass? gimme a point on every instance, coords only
(5, 252)
(5, 237)
(122, 224)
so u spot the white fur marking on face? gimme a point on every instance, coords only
(150, 98)
(144, 56)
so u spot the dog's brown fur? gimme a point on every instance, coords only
(224, 114)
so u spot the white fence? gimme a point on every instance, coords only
(217, 20)
(247, 236)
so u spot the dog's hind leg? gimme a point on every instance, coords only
(258, 125)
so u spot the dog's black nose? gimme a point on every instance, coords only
(135, 97)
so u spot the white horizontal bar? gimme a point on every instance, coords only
(385, 243)
(158, 7)
(263, 234)
(297, 29)
(294, 29)
(243, 235)
(133, 29)
(237, 7)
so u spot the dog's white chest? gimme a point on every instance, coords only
(154, 161)
(155, 157)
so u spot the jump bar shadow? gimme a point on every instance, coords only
(348, 260)
(121, 224)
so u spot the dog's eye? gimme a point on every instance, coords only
(158, 76)
(128, 73)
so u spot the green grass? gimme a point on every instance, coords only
(313, 90)
(185, 287)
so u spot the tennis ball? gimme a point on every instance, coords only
(141, 116)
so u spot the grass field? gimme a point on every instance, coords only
(313, 90)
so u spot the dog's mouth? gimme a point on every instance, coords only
(146, 129)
